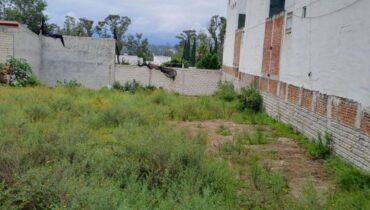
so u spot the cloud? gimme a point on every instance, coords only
(154, 18)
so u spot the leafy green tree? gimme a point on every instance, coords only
(217, 30)
(185, 42)
(193, 57)
(116, 26)
(85, 27)
(70, 26)
(136, 45)
(210, 61)
(28, 12)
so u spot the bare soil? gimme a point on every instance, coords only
(289, 157)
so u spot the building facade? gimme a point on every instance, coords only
(309, 58)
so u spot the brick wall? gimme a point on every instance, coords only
(313, 113)
(344, 111)
(365, 122)
(238, 44)
(272, 45)
(307, 97)
(293, 94)
(321, 104)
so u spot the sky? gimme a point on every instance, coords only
(159, 20)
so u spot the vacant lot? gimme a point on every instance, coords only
(72, 148)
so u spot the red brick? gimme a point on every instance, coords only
(264, 84)
(345, 112)
(282, 91)
(276, 45)
(293, 94)
(307, 97)
(266, 47)
(365, 123)
(321, 105)
(237, 47)
(273, 85)
(272, 46)
(230, 70)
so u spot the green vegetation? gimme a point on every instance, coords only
(19, 72)
(74, 148)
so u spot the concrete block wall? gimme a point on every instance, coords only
(89, 61)
(21, 43)
(187, 82)
(313, 113)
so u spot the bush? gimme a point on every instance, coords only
(226, 91)
(69, 84)
(20, 73)
(209, 61)
(250, 99)
(176, 63)
(321, 149)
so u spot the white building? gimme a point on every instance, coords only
(313, 54)
(159, 60)
(131, 59)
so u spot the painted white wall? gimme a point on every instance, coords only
(252, 50)
(232, 24)
(159, 60)
(131, 59)
(335, 48)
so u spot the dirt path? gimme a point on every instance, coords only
(291, 160)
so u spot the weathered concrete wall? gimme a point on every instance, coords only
(188, 82)
(21, 43)
(89, 61)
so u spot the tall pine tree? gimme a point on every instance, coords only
(194, 52)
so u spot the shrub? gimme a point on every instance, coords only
(226, 91)
(176, 63)
(209, 61)
(250, 99)
(68, 84)
(20, 73)
(321, 149)
(131, 87)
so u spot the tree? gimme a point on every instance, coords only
(185, 42)
(116, 26)
(28, 12)
(217, 30)
(193, 57)
(136, 45)
(70, 25)
(85, 27)
(210, 61)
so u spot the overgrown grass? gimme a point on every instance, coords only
(75, 148)
(82, 149)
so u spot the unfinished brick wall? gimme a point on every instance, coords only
(321, 104)
(237, 47)
(272, 45)
(365, 123)
(273, 85)
(282, 90)
(264, 84)
(313, 113)
(307, 97)
(293, 94)
(344, 111)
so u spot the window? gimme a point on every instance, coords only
(276, 7)
(241, 21)
(304, 12)
(289, 23)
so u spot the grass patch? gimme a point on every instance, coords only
(75, 148)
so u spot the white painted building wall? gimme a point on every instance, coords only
(232, 24)
(159, 60)
(131, 59)
(332, 43)
(335, 48)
